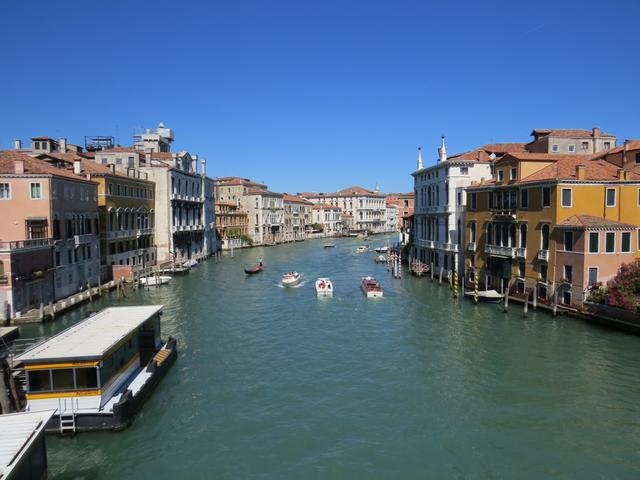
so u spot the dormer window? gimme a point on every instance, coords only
(572, 148)
(555, 147)
(500, 175)
(514, 173)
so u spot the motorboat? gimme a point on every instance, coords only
(324, 287)
(290, 279)
(381, 249)
(192, 262)
(154, 280)
(257, 268)
(486, 295)
(381, 259)
(362, 249)
(371, 287)
(329, 245)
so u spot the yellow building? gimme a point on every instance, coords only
(551, 224)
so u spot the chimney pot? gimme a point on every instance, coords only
(62, 144)
(77, 167)
(19, 166)
(621, 174)
(17, 143)
(596, 132)
(581, 172)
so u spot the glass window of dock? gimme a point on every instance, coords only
(39, 380)
(62, 379)
(86, 378)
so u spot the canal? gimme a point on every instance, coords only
(275, 383)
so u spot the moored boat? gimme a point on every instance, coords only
(381, 259)
(381, 249)
(192, 262)
(485, 295)
(153, 280)
(329, 245)
(290, 279)
(324, 287)
(371, 287)
(362, 249)
(98, 373)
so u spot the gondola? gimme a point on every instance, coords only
(257, 268)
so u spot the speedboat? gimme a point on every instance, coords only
(155, 280)
(324, 287)
(290, 279)
(381, 249)
(371, 287)
(381, 259)
(485, 295)
(257, 268)
(329, 245)
(362, 249)
(192, 262)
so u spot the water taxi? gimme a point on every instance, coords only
(362, 249)
(290, 279)
(491, 296)
(153, 280)
(329, 245)
(371, 287)
(98, 373)
(380, 259)
(381, 249)
(324, 287)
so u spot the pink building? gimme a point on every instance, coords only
(48, 235)
(590, 250)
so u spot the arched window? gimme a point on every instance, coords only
(544, 240)
(523, 235)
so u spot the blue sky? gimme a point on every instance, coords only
(318, 95)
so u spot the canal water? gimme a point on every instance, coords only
(276, 383)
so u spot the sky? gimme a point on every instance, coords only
(318, 95)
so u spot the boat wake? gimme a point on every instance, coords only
(301, 283)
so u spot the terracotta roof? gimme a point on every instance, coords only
(295, 199)
(263, 191)
(567, 132)
(354, 190)
(633, 144)
(483, 153)
(41, 138)
(33, 166)
(589, 221)
(307, 194)
(564, 168)
(238, 181)
(121, 149)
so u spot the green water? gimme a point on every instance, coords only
(275, 383)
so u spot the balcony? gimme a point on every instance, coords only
(117, 234)
(543, 255)
(500, 251)
(82, 239)
(521, 252)
(141, 232)
(447, 247)
(186, 198)
(471, 247)
(34, 243)
(504, 212)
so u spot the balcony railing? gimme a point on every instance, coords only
(24, 244)
(504, 212)
(447, 247)
(82, 239)
(471, 246)
(144, 231)
(115, 234)
(521, 252)
(500, 251)
(543, 255)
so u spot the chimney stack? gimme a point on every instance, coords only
(17, 144)
(596, 132)
(147, 159)
(194, 164)
(18, 167)
(113, 168)
(62, 144)
(581, 171)
(621, 174)
(77, 167)
(204, 167)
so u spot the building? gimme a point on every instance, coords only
(234, 189)
(366, 206)
(297, 217)
(232, 224)
(406, 205)
(550, 225)
(126, 205)
(626, 156)
(265, 210)
(49, 246)
(329, 217)
(392, 217)
(151, 140)
(571, 141)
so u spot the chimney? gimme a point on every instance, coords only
(595, 132)
(624, 152)
(62, 144)
(77, 167)
(581, 172)
(442, 151)
(113, 168)
(17, 144)
(194, 164)
(204, 167)
(19, 166)
(621, 174)
(147, 159)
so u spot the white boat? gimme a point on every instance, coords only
(485, 295)
(97, 373)
(192, 262)
(290, 279)
(371, 287)
(381, 249)
(362, 249)
(329, 245)
(155, 280)
(381, 259)
(324, 287)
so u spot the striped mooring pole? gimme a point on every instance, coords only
(475, 287)
(455, 284)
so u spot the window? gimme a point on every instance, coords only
(593, 275)
(585, 146)
(637, 158)
(594, 240)
(566, 297)
(544, 237)
(465, 170)
(522, 269)
(5, 191)
(546, 196)
(513, 174)
(524, 198)
(62, 378)
(544, 269)
(474, 201)
(36, 229)
(626, 242)
(607, 145)
(568, 241)
(611, 197)
(472, 232)
(500, 175)
(39, 380)
(490, 194)
(610, 242)
(566, 197)
(568, 273)
(523, 235)
(572, 147)
(36, 191)
(555, 147)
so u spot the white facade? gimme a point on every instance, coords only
(329, 216)
(266, 216)
(391, 217)
(440, 202)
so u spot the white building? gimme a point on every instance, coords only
(329, 216)
(367, 207)
(297, 217)
(440, 201)
(392, 217)
(266, 215)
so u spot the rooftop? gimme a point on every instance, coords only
(568, 132)
(590, 221)
(33, 166)
(93, 337)
(564, 167)
(19, 432)
(294, 199)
